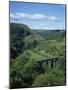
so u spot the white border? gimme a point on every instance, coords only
(4, 43)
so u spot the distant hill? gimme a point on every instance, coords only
(51, 34)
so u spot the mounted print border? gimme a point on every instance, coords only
(37, 44)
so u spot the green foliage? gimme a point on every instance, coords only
(23, 71)
(18, 33)
(27, 47)
(53, 78)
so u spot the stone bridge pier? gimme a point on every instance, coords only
(48, 63)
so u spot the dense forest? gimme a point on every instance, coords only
(27, 47)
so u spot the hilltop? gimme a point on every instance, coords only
(22, 37)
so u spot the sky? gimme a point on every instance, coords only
(38, 15)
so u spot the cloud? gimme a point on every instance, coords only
(43, 24)
(35, 16)
(14, 16)
(27, 16)
(53, 18)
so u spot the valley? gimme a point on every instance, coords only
(27, 46)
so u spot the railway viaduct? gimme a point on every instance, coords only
(50, 63)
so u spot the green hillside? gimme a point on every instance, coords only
(27, 46)
(21, 38)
